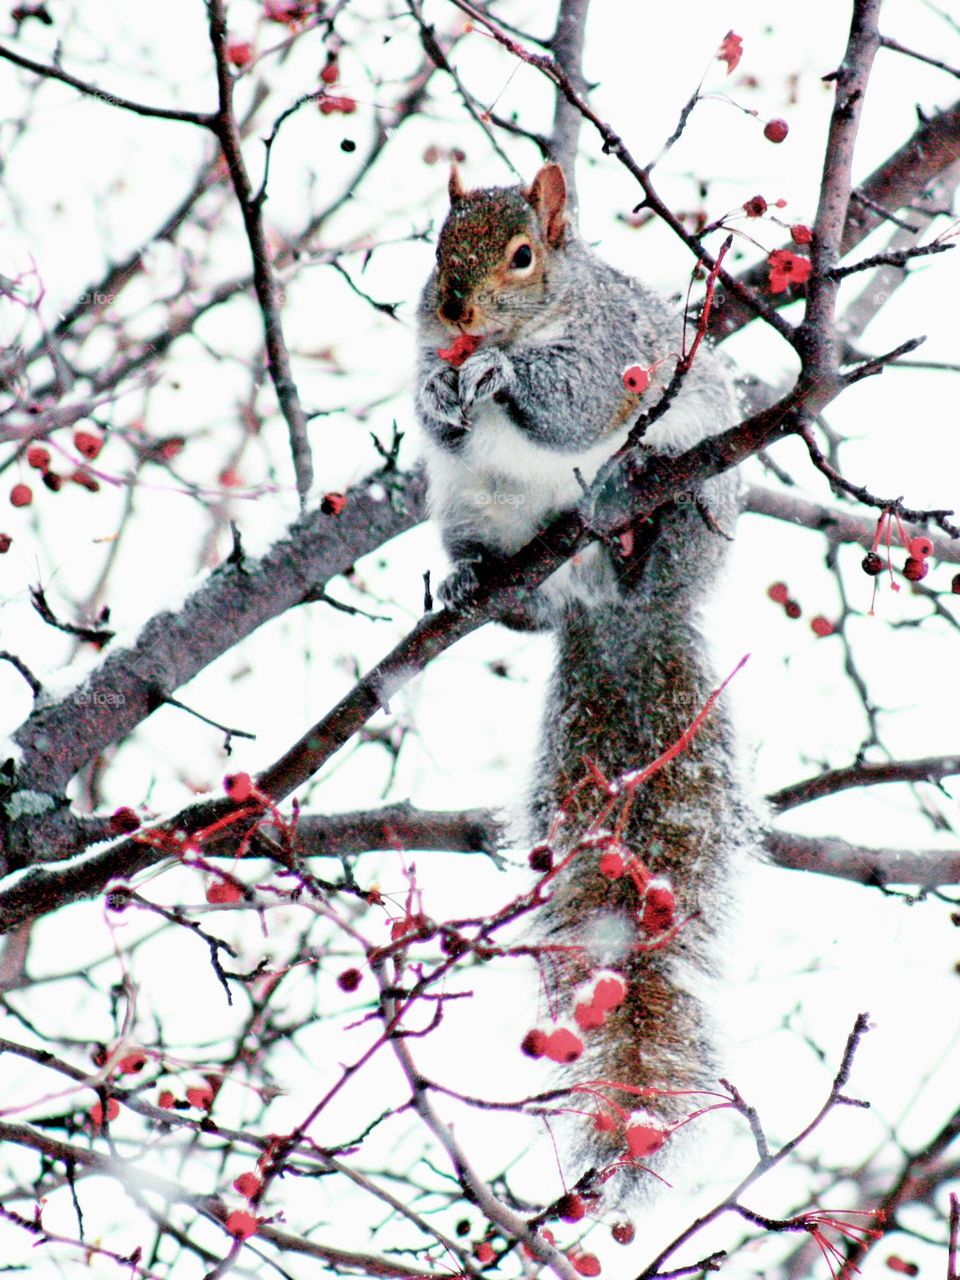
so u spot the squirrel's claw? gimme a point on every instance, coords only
(457, 589)
(483, 375)
(439, 398)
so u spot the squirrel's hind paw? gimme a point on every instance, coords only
(457, 589)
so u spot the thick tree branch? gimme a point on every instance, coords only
(927, 868)
(58, 738)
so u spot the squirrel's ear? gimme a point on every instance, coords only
(548, 195)
(454, 185)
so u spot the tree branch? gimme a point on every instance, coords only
(204, 119)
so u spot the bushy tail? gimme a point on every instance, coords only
(642, 864)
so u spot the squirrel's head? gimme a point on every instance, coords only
(494, 249)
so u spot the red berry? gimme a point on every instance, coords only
(21, 495)
(792, 609)
(612, 865)
(131, 1063)
(587, 1016)
(609, 993)
(901, 1267)
(570, 1208)
(533, 1044)
(920, 548)
(562, 1046)
(586, 1264)
(238, 786)
(778, 592)
(915, 569)
(331, 72)
(349, 980)
(123, 821)
(165, 1099)
(659, 905)
(248, 1185)
(96, 1112)
(821, 626)
(240, 53)
(6, 542)
(623, 1232)
(53, 481)
(776, 130)
(332, 504)
(755, 207)
(331, 103)
(223, 891)
(200, 1096)
(483, 1252)
(462, 347)
(87, 443)
(872, 564)
(540, 858)
(38, 457)
(241, 1224)
(644, 1139)
(801, 234)
(82, 478)
(636, 379)
(169, 448)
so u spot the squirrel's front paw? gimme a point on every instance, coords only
(457, 589)
(438, 397)
(483, 375)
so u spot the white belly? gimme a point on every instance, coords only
(500, 486)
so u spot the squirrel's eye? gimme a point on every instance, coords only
(522, 257)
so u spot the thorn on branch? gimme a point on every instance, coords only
(99, 636)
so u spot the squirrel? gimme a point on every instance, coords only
(524, 336)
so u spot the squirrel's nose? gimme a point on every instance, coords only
(456, 311)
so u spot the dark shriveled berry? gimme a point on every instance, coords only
(540, 858)
(872, 564)
(349, 980)
(915, 569)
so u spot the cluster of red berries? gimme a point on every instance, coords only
(336, 104)
(38, 457)
(915, 567)
(779, 593)
(433, 153)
